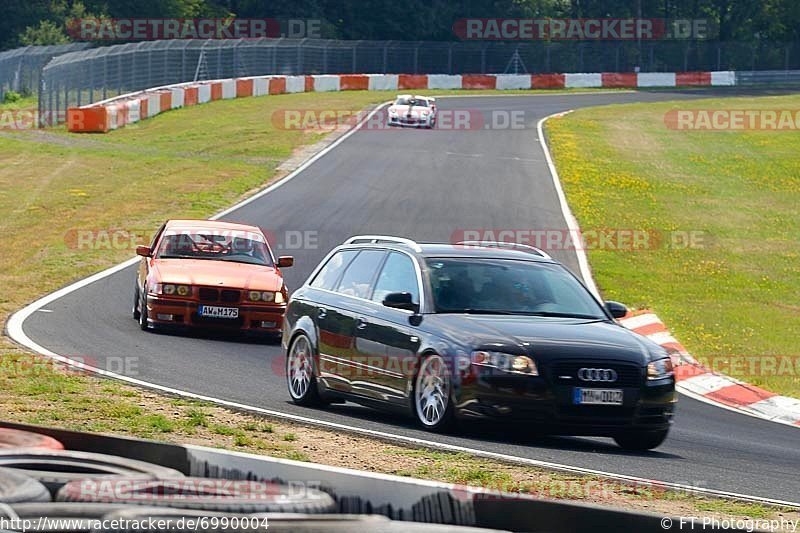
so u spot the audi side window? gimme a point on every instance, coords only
(331, 272)
(398, 275)
(357, 279)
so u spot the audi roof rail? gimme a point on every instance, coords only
(505, 244)
(383, 239)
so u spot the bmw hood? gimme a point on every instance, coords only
(217, 274)
(547, 339)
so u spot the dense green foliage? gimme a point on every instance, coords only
(44, 21)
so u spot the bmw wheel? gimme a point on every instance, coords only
(432, 404)
(136, 303)
(143, 311)
(641, 440)
(300, 376)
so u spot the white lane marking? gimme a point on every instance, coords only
(45, 310)
(572, 223)
(15, 331)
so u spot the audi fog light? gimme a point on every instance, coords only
(660, 369)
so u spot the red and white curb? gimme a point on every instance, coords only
(697, 381)
(114, 113)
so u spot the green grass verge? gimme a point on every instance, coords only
(732, 300)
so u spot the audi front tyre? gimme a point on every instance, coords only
(432, 402)
(300, 376)
(641, 440)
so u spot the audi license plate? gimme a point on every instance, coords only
(213, 311)
(597, 396)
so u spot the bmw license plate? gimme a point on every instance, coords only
(213, 311)
(597, 396)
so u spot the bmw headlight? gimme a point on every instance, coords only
(266, 296)
(171, 289)
(517, 364)
(660, 369)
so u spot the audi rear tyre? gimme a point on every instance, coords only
(300, 376)
(641, 440)
(432, 385)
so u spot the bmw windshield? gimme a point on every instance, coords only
(236, 247)
(512, 287)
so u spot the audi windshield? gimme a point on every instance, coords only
(503, 286)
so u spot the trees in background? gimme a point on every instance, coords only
(44, 21)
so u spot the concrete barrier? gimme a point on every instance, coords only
(127, 109)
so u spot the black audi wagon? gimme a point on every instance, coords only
(451, 332)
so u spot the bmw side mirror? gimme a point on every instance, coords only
(616, 309)
(144, 251)
(401, 300)
(285, 261)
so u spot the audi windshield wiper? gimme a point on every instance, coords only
(470, 311)
(560, 315)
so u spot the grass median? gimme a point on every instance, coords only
(723, 270)
(192, 163)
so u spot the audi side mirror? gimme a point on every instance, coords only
(616, 309)
(401, 300)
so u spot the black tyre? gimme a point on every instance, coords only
(301, 377)
(143, 311)
(16, 438)
(202, 494)
(433, 405)
(641, 440)
(16, 487)
(55, 468)
(136, 303)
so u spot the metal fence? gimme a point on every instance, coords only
(91, 75)
(20, 68)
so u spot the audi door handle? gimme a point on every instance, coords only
(322, 312)
(361, 323)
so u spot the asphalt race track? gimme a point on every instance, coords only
(424, 185)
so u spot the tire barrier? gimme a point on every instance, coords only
(56, 468)
(15, 438)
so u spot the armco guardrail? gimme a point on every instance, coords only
(356, 492)
(116, 112)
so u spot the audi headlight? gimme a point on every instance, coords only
(660, 369)
(517, 364)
